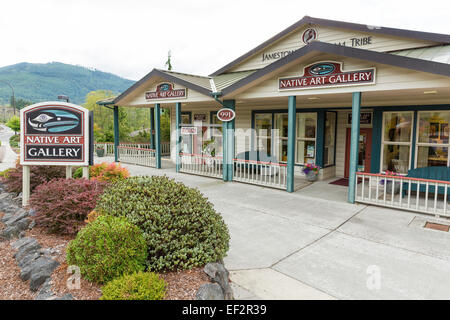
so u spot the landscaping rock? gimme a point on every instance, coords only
(65, 297)
(46, 291)
(19, 215)
(41, 270)
(219, 274)
(209, 291)
(28, 248)
(9, 233)
(22, 242)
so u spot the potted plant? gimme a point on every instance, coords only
(387, 183)
(311, 171)
(100, 150)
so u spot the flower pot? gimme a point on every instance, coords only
(388, 185)
(100, 152)
(311, 176)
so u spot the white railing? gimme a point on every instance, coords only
(419, 195)
(201, 165)
(165, 148)
(141, 156)
(261, 173)
(107, 146)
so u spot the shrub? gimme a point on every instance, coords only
(78, 173)
(108, 248)
(92, 216)
(137, 286)
(181, 227)
(108, 172)
(62, 205)
(38, 175)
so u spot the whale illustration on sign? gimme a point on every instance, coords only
(54, 121)
(321, 69)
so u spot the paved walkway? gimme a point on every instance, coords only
(312, 244)
(10, 157)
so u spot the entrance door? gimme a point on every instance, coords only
(364, 152)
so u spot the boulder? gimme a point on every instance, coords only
(26, 249)
(41, 270)
(22, 242)
(217, 272)
(209, 291)
(9, 233)
(46, 291)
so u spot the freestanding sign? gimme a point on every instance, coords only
(53, 133)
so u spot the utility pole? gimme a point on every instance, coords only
(13, 99)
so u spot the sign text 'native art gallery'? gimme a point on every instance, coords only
(327, 74)
(54, 133)
(165, 91)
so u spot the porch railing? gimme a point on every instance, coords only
(109, 147)
(140, 156)
(419, 195)
(261, 173)
(201, 165)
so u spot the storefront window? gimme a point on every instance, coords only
(306, 137)
(263, 126)
(433, 138)
(330, 138)
(186, 139)
(397, 136)
(281, 135)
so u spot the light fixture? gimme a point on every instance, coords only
(430, 92)
(313, 98)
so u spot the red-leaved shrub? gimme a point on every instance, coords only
(38, 175)
(108, 171)
(62, 205)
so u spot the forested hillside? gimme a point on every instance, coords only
(37, 82)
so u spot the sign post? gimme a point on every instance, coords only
(53, 133)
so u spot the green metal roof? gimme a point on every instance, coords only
(106, 102)
(200, 81)
(436, 54)
(227, 79)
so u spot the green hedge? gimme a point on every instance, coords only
(180, 225)
(137, 286)
(108, 248)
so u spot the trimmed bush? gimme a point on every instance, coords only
(62, 205)
(108, 248)
(180, 226)
(38, 175)
(137, 286)
(108, 172)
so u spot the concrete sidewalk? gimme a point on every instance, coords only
(311, 244)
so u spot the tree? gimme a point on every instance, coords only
(14, 124)
(168, 62)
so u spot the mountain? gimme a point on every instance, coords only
(38, 82)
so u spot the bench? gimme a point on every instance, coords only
(429, 173)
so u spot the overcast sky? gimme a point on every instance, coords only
(131, 37)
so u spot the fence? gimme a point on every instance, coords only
(201, 165)
(109, 147)
(141, 156)
(261, 173)
(419, 195)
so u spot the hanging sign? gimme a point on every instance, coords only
(188, 130)
(226, 114)
(165, 91)
(54, 133)
(365, 118)
(325, 75)
(200, 117)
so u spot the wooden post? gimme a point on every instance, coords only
(354, 145)
(178, 135)
(292, 118)
(68, 172)
(86, 172)
(158, 135)
(25, 185)
(116, 133)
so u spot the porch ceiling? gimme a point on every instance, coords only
(375, 98)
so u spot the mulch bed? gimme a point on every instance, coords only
(181, 285)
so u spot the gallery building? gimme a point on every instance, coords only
(346, 97)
